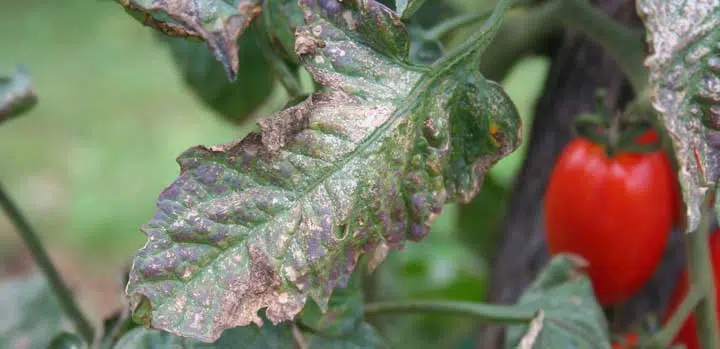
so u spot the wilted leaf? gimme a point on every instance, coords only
(234, 100)
(407, 8)
(31, 316)
(569, 316)
(285, 213)
(17, 94)
(685, 88)
(218, 22)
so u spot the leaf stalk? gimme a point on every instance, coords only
(700, 271)
(488, 313)
(41, 257)
(625, 44)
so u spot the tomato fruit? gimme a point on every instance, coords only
(688, 332)
(614, 211)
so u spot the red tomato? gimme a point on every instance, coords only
(649, 137)
(688, 332)
(629, 341)
(616, 212)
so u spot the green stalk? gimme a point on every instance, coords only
(488, 313)
(280, 69)
(625, 44)
(40, 255)
(664, 337)
(700, 272)
(444, 28)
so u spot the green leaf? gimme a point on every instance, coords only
(67, 340)
(251, 337)
(17, 94)
(685, 89)
(284, 214)
(568, 317)
(234, 100)
(282, 18)
(342, 324)
(31, 316)
(407, 8)
(344, 311)
(424, 51)
(217, 22)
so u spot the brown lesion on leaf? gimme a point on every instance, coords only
(187, 21)
(262, 288)
(282, 127)
(306, 43)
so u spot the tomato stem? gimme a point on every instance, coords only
(41, 257)
(488, 313)
(288, 79)
(624, 43)
(664, 337)
(701, 278)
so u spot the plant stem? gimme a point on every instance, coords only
(280, 69)
(444, 28)
(625, 44)
(483, 312)
(665, 336)
(701, 277)
(61, 290)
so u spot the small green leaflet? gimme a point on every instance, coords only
(684, 37)
(31, 316)
(568, 315)
(17, 94)
(360, 167)
(407, 8)
(217, 22)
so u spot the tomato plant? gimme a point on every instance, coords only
(616, 211)
(373, 119)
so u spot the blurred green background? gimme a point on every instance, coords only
(89, 161)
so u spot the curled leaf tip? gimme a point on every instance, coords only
(217, 22)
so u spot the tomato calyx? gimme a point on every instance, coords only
(632, 131)
(618, 136)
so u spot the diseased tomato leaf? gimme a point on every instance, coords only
(685, 89)
(17, 94)
(234, 100)
(217, 22)
(360, 167)
(568, 315)
(407, 8)
(31, 316)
